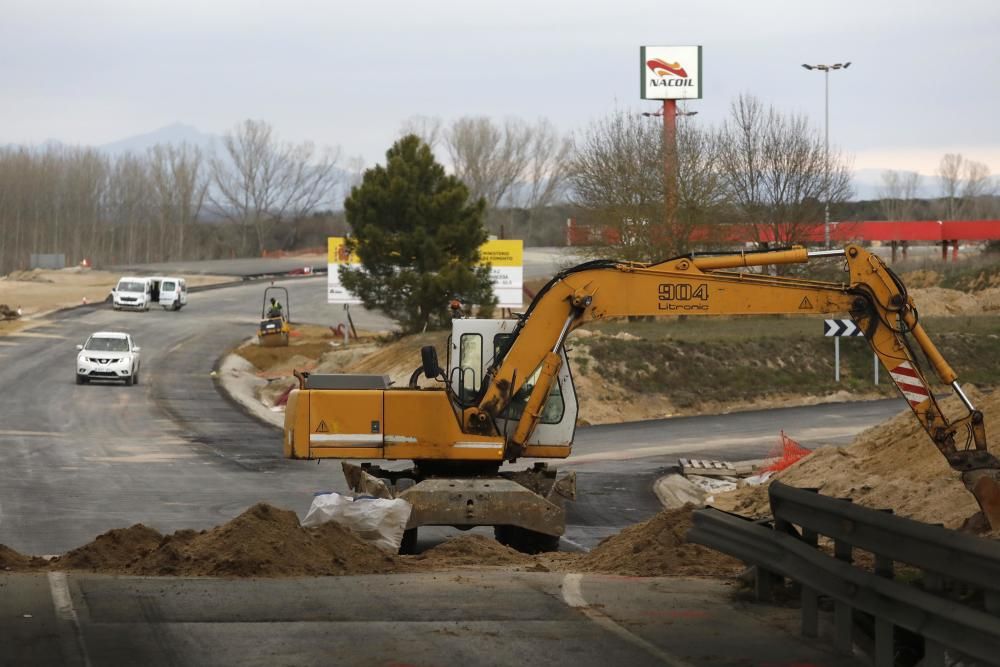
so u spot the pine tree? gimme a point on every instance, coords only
(418, 239)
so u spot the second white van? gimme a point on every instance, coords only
(173, 293)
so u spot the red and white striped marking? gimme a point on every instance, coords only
(909, 382)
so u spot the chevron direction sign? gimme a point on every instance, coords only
(841, 328)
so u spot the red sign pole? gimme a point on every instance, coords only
(670, 161)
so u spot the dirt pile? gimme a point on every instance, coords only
(113, 551)
(893, 465)
(940, 302)
(8, 313)
(268, 542)
(263, 541)
(472, 550)
(657, 547)
(14, 561)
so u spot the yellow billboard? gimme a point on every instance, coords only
(506, 258)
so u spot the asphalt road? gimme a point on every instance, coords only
(445, 619)
(173, 453)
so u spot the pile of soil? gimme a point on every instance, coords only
(113, 551)
(472, 550)
(939, 301)
(14, 561)
(890, 466)
(658, 547)
(8, 313)
(268, 542)
(263, 541)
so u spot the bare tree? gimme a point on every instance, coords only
(777, 171)
(181, 184)
(427, 128)
(259, 181)
(967, 189)
(950, 178)
(617, 181)
(489, 158)
(547, 168)
(898, 194)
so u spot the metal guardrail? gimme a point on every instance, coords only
(954, 612)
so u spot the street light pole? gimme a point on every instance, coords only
(826, 132)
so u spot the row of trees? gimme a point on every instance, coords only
(762, 168)
(967, 192)
(171, 202)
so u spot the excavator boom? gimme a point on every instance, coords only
(873, 296)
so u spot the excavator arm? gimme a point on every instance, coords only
(873, 296)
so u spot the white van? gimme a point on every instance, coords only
(132, 293)
(173, 293)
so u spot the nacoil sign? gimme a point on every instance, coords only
(670, 72)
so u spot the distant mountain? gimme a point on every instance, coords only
(176, 134)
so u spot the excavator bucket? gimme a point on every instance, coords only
(985, 486)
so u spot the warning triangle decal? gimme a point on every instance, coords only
(806, 304)
(322, 428)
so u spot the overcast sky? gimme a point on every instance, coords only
(925, 77)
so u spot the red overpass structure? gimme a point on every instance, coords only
(898, 233)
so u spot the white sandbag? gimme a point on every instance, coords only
(380, 521)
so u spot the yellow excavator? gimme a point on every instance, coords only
(506, 392)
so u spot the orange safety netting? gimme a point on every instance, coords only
(786, 453)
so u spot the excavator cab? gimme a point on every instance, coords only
(275, 313)
(473, 348)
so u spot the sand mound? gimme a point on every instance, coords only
(112, 551)
(890, 466)
(472, 550)
(658, 547)
(268, 542)
(939, 301)
(263, 541)
(14, 561)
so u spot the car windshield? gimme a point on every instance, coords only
(131, 286)
(107, 344)
(168, 286)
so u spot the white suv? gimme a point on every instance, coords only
(108, 355)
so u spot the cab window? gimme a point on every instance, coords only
(470, 363)
(555, 406)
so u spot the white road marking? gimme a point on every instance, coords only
(31, 334)
(47, 434)
(62, 600)
(573, 596)
(570, 542)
